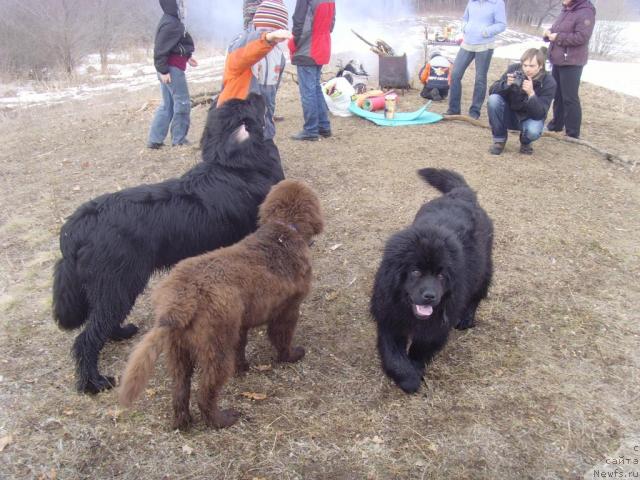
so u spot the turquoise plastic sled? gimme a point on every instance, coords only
(419, 117)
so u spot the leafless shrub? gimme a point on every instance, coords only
(606, 39)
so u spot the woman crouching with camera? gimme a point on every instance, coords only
(520, 101)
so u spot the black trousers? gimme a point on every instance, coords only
(567, 112)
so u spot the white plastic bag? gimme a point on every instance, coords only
(337, 94)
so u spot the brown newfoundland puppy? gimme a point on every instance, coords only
(206, 305)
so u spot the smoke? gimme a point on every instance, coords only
(221, 20)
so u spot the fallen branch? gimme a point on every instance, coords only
(294, 76)
(611, 157)
(464, 118)
(203, 98)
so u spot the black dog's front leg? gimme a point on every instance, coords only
(396, 363)
(422, 351)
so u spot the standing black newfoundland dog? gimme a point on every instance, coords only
(432, 277)
(112, 244)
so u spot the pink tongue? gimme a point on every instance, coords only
(425, 310)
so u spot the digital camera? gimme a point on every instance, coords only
(518, 78)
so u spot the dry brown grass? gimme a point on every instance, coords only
(545, 386)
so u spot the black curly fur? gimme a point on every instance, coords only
(112, 244)
(442, 260)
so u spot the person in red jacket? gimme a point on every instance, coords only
(310, 48)
(568, 53)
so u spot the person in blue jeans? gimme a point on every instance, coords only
(520, 100)
(172, 51)
(310, 47)
(483, 20)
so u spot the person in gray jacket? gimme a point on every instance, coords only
(173, 49)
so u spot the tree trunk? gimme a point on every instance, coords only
(104, 61)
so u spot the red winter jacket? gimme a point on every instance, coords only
(313, 22)
(574, 27)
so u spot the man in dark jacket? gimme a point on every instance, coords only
(520, 101)
(310, 48)
(171, 53)
(568, 53)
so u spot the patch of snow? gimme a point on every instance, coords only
(406, 35)
(129, 77)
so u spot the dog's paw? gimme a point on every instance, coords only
(225, 418)
(97, 385)
(465, 323)
(182, 421)
(419, 367)
(295, 354)
(125, 332)
(410, 384)
(242, 367)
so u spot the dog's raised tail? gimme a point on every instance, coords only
(70, 307)
(443, 179)
(140, 365)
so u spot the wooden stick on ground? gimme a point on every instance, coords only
(294, 76)
(612, 157)
(203, 98)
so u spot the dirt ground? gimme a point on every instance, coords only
(546, 386)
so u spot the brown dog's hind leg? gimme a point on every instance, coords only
(241, 360)
(181, 367)
(281, 330)
(217, 362)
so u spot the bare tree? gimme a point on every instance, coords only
(606, 40)
(105, 36)
(52, 32)
(58, 34)
(547, 9)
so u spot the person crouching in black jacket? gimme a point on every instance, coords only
(520, 101)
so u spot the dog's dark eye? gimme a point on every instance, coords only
(416, 273)
(441, 277)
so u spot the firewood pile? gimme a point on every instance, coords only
(380, 47)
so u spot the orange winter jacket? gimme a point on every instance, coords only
(236, 81)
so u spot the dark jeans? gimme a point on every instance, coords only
(567, 112)
(314, 108)
(462, 61)
(502, 118)
(174, 111)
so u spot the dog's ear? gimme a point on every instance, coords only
(398, 258)
(236, 141)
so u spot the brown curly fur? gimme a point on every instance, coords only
(206, 305)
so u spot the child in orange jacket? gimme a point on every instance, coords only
(255, 62)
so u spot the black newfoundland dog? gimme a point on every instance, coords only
(112, 244)
(432, 277)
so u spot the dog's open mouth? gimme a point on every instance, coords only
(422, 311)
